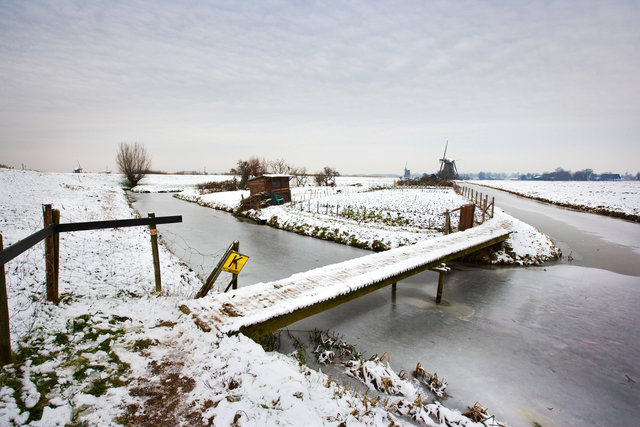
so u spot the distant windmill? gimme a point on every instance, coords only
(78, 169)
(407, 172)
(448, 169)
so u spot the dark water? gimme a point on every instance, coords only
(554, 345)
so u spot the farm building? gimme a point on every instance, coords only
(276, 187)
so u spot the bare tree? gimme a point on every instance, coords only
(300, 176)
(279, 166)
(327, 176)
(248, 169)
(133, 161)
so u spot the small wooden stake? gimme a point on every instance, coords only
(154, 250)
(5, 333)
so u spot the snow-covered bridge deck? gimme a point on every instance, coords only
(265, 307)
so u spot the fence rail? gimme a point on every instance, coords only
(23, 245)
(50, 234)
(478, 199)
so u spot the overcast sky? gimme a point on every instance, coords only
(362, 86)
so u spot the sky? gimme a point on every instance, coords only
(362, 86)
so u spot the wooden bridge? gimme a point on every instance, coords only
(266, 307)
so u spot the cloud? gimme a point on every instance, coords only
(332, 74)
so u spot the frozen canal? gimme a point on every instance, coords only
(554, 345)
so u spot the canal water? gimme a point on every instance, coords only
(552, 345)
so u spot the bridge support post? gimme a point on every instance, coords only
(442, 269)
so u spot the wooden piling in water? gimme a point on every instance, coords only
(440, 287)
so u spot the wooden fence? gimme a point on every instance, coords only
(480, 200)
(51, 235)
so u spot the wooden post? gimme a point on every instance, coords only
(208, 284)
(154, 250)
(447, 222)
(50, 262)
(5, 333)
(442, 269)
(234, 280)
(484, 211)
(440, 286)
(493, 205)
(56, 249)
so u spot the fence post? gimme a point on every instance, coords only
(493, 205)
(234, 279)
(486, 206)
(50, 261)
(5, 334)
(447, 223)
(56, 249)
(154, 250)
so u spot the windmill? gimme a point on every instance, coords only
(448, 168)
(78, 169)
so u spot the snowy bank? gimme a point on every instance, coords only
(612, 198)
(114, 352)
(379, 219)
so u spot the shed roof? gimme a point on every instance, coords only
(271, 175)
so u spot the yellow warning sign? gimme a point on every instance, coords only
(234, 262)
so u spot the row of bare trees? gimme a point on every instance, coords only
(134, 162)
(255, 166)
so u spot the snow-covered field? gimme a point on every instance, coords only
(367, 215)
(618, 198)
(114, 352)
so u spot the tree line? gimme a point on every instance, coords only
(134, 162)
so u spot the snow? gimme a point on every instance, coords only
(115, 352)
(374, 217)
(159, 183)
(599, 196)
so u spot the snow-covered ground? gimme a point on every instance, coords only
(367, 215)
(115, 352)
(618, 198)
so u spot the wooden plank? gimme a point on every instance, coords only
(117, 223)
(23, 245)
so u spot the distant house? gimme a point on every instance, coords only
(276, 187)
(610, 177)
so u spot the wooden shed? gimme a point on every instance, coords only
(276, 187)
